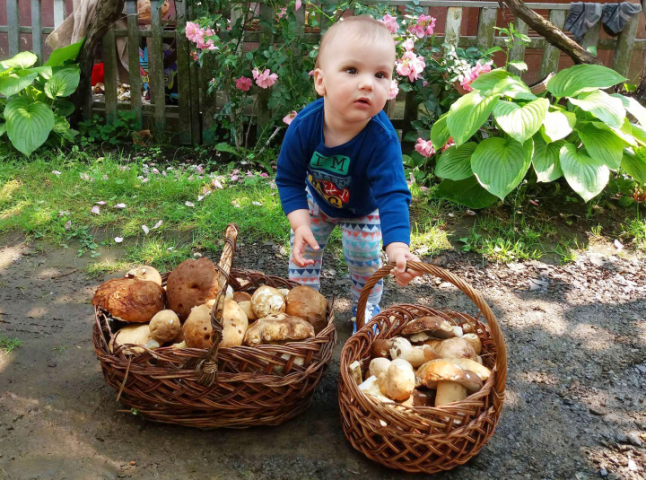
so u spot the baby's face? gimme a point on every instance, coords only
(355, 76)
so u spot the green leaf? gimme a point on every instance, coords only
(487, 81)
(625, 132)
(639, 134)
(468, 114)
(225, 147)
(13, 82)
(606, 108)
(3, 128)
(546, 159)
(44, 72)
(28, 125)
(466, 192)
(440, 133)
(582, 78)
(587, 176)
(518, 65)
(634, 108)
(64, 108)
(558, 124)
(455, 162)
(22, 60)
(515, 88)
(61, 55)
(63, 83)
(602, 145)
(634, 164)
(521, 123)
(501, 164)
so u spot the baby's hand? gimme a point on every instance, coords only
(399, 253)
(303, 237)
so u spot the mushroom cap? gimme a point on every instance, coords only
(308, 304)
(149, 274)
(241, 296)
(415, 355)
(455, 348)
(234, 324)
(197, 328)
(381, 348)
(191, 283)
(165, 326)
(130, 299)
(433, 326)
(443, 370)
(267, 301)
(132, 334)
(378, 365)
(277, 329)
(483, 372)
(474, 341)
(398, 383)
(244, 301)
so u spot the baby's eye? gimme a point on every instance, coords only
(351, 70)
(381, 75)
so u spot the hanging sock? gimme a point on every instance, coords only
(582, 17)
(616, 15)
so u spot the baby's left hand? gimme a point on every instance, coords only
(399, 253)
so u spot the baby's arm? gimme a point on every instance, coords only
(399, 253)
(303, 236)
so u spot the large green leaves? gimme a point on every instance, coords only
(12, 82)
(28, 125)
(501, 163)
(61, 55)
(3, 128)
(603, 106)
(518, 122)
(634, 108)
(602, 145)
(455, 162)
(582, 78)
(586, 175)
(63, 83)
(487, 81)
(22, 60)
(468, 114)
(546, 159)
(440, 133)
(513, 87)
(635, 164)
(466, 192)
(558, 124)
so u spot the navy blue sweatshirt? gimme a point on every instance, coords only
(349, 180)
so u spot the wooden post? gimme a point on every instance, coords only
(486, 24)
(263, 115)
(453, 24)
(13, 27)
(156, 69)
(551, 54)
(517, 53)
(110, 81)
(134, 74)
(59, 12)
(183, 75)
(591, 38)
(196, 126)
(625, 42)
(37, 30)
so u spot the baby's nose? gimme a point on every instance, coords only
(366, 83)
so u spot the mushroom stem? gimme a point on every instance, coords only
(448, 392)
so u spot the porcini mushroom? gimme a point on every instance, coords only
(451, 381)
(398, 382)
(416, 356)
(428, 328)
(381, 348)
(234, 324)
(378, 365)
(474, 341)
(371, 387)
(197, 328)
(132, 334)
(244, 300)
(455, 348)
(280, 328)
(190, 284)
(165, 326)
(308, 304)
(149, 274)
(267, 301)
(483, 372)
(130, 299)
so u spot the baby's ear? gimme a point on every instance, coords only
(318, 82)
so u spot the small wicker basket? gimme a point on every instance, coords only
(234, 387)
(421, 439)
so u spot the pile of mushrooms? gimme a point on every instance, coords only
(433, 363)
(179, 315)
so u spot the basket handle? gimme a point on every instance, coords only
(208, 367)
(494, 327)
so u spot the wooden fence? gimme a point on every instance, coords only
(190, 121)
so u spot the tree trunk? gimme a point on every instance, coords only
(551, 33)
(107, 12)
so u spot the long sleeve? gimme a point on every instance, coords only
(292, 171)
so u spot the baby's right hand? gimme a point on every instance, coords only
(303, 237)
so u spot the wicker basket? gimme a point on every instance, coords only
(235, 387)
(421, 439)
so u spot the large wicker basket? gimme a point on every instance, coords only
(421, 439)
(235, 387)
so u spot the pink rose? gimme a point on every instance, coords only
(264, 175)
(424, 26)
(310, 73)
(411, 65)
(424, 147)
(408, 44)
(243, 83)
(289, 117)
(473, 74)
(191, 30)
(265, 79)
(449, 143)
(394, 90)
(390, 22)
(195, 56)
(298, 5)
(283, 12)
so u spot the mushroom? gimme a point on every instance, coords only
(132, 334)
(378, 365)
(190, 284)
(381, 348)
(416, 356)
(371, 387)
(198, 329)
(244, 301)
(279, 328)
(267, 301)
(483, 372)
(234, 324)
(149, 274)
(455, 348)
(429, 327)
(451, 381)
(165, 326)
(229, 293)
(398, 382)
(474, 341)
(130, 299)
(284, 291)
(423, 398)
(308, 304)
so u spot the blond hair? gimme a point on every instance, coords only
(361, 25)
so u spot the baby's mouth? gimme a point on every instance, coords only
(363, 101)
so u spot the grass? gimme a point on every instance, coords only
(8, 345)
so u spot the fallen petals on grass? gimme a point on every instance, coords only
(158, 224)
(101, 202)
(68, 225)
(145, 229)
(258, 204)
(118, 239)
(216, 184)
(120, 205)
(96, 210)
(190, 204)
(56, 172)
(62, 213)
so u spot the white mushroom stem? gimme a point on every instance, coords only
(370, 387)
(449, 392)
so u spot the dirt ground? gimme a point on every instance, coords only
(576, 391)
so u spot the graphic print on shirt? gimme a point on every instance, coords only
(328, 175)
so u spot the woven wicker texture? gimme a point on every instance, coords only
(235, 387)
(421, 439)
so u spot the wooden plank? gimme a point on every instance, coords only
(263, 113)
(196, 126)
(453, 23)
(134, 72)
(209, 107)
(111, 77)
(517, 53)
(156, 69)
(183, 76)
(59, 12)
(591, 37)
(486, 24)
(37, 30)
(13, 26)
(625, 46)
(551, 54)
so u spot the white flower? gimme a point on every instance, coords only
(120, 205)
(96, 210)
(118, 239)
(100, 203)
(145, 229)
(189, 204)
(158, 224)
(258, 204)
(56, 172)
(200, 197)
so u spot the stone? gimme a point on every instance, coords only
(634, 440)
(51, 363)
(603, 472)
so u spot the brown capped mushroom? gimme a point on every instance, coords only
(474, 341)
(267, 301)
(371, 387)
(165, 326)
(149, 274)
(378, 365)
(483, 372)
(451, 381)
(416, 356)
(427, 328)
(308, 304)
(244, 300)
(280, 328)
(197, 328)
(398, 382)
(130, 299)
(381, 348)
(190, 284)
(234, 324)
(455, 348)
(132, 334)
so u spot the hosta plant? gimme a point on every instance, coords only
(575, 129)
(35, 104)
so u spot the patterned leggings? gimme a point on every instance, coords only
(361, 249)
